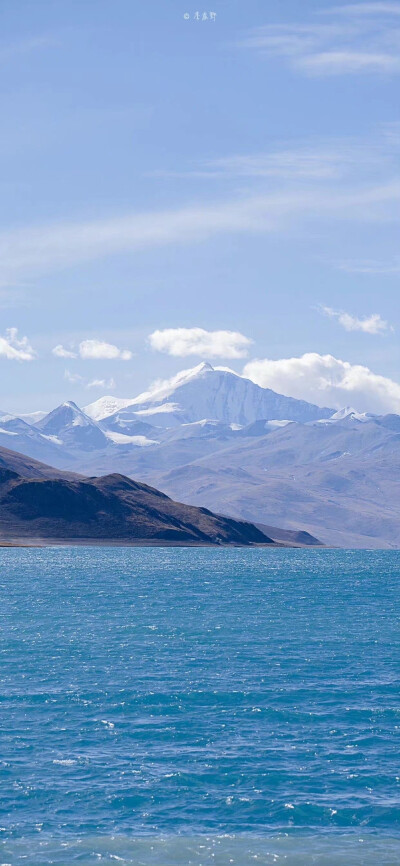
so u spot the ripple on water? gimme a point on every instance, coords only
(151, 693)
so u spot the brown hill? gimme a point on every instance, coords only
(39, 505)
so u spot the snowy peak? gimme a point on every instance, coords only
(104, 407)
(157, 395)
(71, 426)
(216, 393)
(163, 389)
(12, 424)
(18, 435)
(32, 417)
(204, 367)
(348, 413)
(66, 415)
(343, 413)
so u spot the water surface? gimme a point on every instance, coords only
(183, 706)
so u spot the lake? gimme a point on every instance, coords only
(197, 706)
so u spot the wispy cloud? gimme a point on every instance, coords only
(93, 350)
(305, 162)
(314, 161)
(361, 9)
(369, 266)
(77, 379)
(342, 62)
(373, 324)
(46, 248)
(182, 342)
(73, 378)
(18, 48)
(61, 352)
(356, 38)
(109, 384)
(16, 348)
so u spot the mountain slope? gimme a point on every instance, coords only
(339, 481)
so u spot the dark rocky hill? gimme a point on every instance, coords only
(38, 505)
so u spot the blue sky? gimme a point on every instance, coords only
(160, 173)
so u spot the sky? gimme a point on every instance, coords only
(183, 183)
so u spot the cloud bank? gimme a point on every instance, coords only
(181, 342)
(327, 381)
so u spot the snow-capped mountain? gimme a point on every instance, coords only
(350, 414)
(17, 435)
(68, 425)
(205, 392)
(211, 437)
(71, 429)
(105, 406)
(32, 417)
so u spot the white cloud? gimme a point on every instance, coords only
(94, 350)
(373, 324)
(181, 342)
(98, 350)
(60, 352)
(327, 381)
(14, 348)
(109, 384)
(353, 39)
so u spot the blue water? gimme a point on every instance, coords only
(179, 707)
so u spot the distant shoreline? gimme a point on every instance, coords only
(17, 544)
(93, 542)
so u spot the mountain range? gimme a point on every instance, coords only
(41, 504)
(214, 439)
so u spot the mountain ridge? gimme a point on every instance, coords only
(333, 475)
